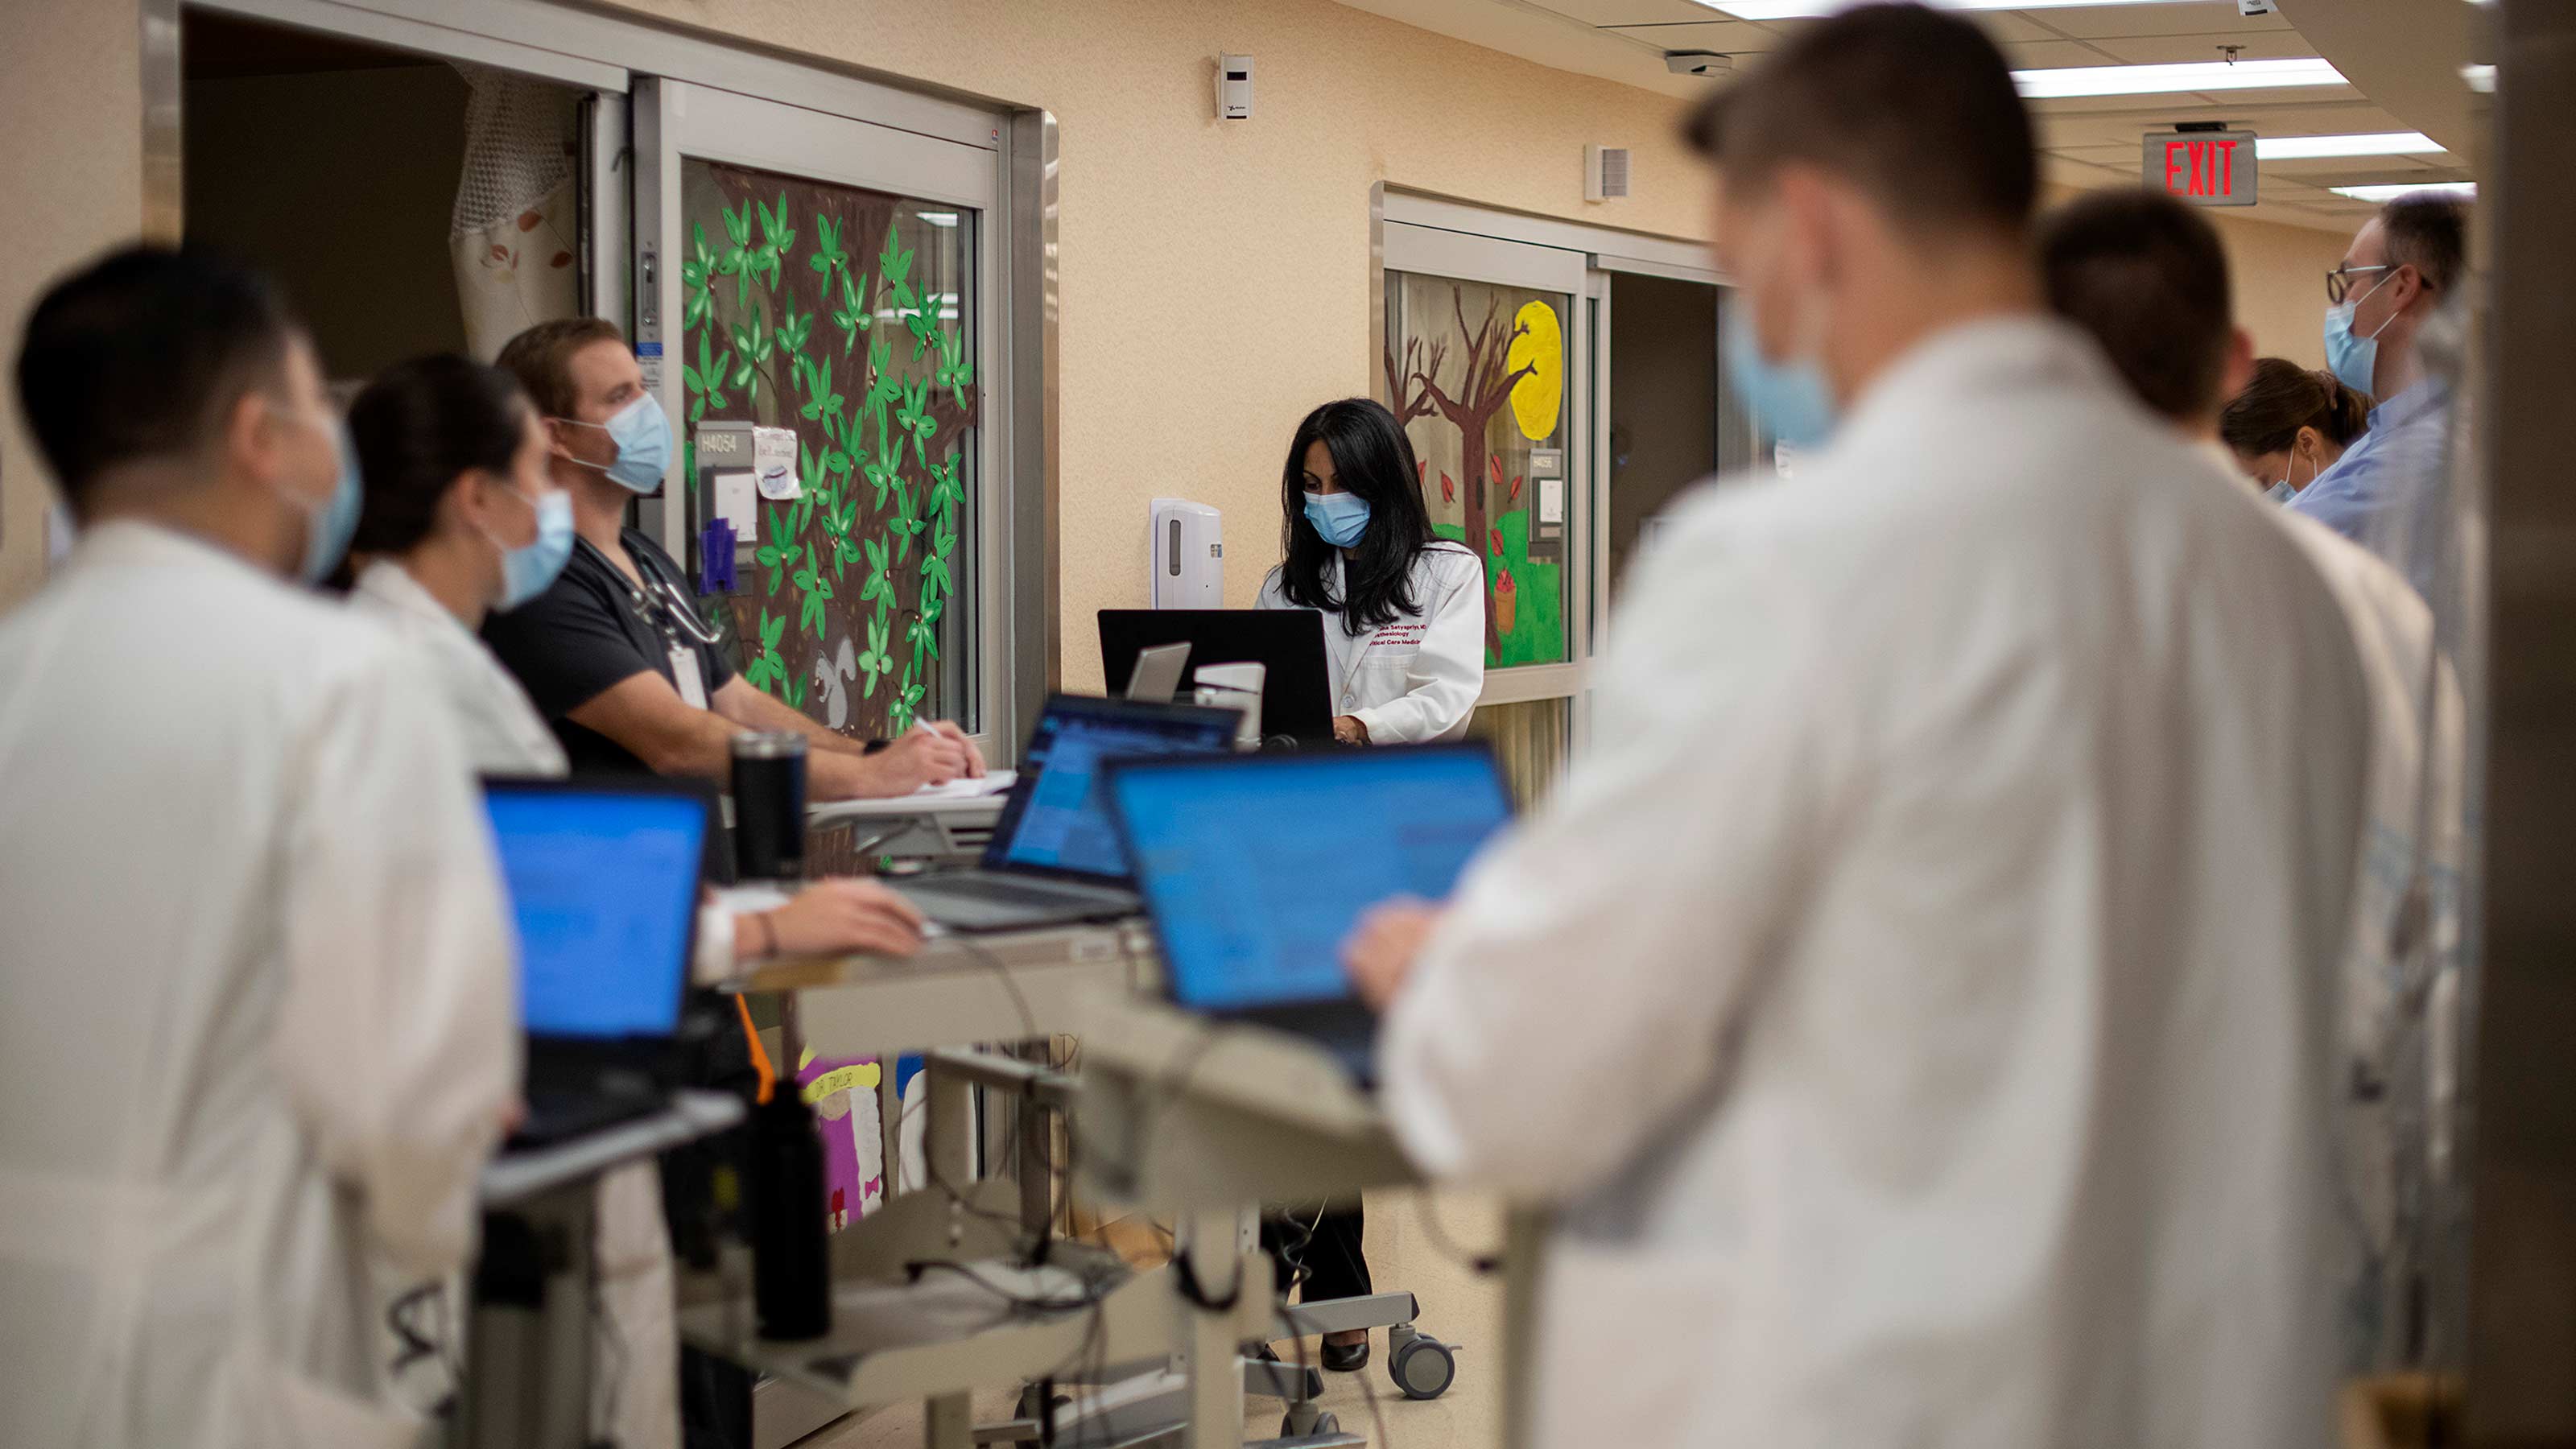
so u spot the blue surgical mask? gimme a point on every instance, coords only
(2354, 360)
(1791, 399)
(530, 570)
(1339, 517)
(2280, 492)
(329, 527)
(643, 438)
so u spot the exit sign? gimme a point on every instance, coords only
(2206, 168)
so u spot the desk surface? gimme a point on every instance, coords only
(517, 1175)
(998, 987)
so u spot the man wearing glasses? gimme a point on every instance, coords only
(2403, 265)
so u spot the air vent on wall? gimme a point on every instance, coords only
(1605, 172)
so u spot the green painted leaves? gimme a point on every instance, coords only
(705, 382)
(852, 315)
(956, 371)
(915, 420)
(876, 662)
(766, 670)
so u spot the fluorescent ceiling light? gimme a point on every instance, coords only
(2480, 78)
(2377, 143)
(2199, 75)
(1802, 9)
(2465, 190)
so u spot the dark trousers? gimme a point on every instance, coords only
(1326, 1249)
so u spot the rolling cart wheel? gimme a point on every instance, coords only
(1422, 1366)
(1314, 1422)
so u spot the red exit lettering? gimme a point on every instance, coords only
(2200, 168)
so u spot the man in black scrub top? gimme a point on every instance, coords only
(614, 654)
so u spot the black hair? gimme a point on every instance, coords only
(2284, 397)
(1916, 108)
(2145, 275)
(420, 426)
(1373, 461)
(139, 353)
(2431, 230)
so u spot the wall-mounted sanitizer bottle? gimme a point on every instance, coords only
(1189, 555)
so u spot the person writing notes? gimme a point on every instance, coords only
(613, 652)
(1404, 610)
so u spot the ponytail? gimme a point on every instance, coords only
(2285, 397)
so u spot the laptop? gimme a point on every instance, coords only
(1053, 857)
(1256, 868)
(1296, 692)
(603, 878)
(1156, 678)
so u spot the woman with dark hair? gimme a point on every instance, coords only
(461, 518)
(2291, 424)
(1404, 610)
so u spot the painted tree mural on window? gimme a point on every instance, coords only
(1474, 426)
(836, 312)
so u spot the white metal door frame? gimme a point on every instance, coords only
(677, 119)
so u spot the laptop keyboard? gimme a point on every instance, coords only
(998, 892)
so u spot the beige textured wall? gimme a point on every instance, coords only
(2280, 278)
(71, 182)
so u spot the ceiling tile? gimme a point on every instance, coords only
(1735, 37)
(2050, 54)
(2101, 21)
(1634, 12)
(2204, 45)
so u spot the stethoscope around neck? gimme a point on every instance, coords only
(676, 606)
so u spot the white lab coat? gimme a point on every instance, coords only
(1415, 680)
(2404, 936)
(632, 1246)
(256, 1015)
(1916, 995)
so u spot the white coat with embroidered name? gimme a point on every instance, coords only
(1415, 680)
(1918, 998)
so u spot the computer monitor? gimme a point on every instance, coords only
(1255, 868)
(1056, 820)
(603, 881)
(1296, 692)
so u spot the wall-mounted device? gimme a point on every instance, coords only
(1605, 172)
(1189, 555)
(1698, 62)
(739, 466)
(1234, 88)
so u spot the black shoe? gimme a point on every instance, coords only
(1343, 1358)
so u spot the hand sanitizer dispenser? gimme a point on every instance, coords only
(1189, 555)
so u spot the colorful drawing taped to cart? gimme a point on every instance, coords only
(843, 1094)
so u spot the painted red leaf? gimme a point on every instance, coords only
(1448, 489)
(500, 253)
(564, 259)
(528, 220)
(1418, 467)
(1498, 538)
(1515, 495)
(1495, 462)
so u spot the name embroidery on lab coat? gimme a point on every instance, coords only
(1397, 635)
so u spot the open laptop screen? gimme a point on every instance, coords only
(1058, 817)
(603, 886)
(1257, 867)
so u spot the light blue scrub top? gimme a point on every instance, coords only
(2385, 492)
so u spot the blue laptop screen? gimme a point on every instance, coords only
(604, 891)
(1065, 824)
(1257, 869)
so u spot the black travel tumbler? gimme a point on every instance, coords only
(769, 805)
(791, 1259)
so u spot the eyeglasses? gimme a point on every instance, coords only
(2339, 282)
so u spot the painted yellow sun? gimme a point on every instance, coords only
(1540, 345)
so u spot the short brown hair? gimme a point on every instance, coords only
(2146, 276)
(1917, 109)
(2429, 229)
(2285, 397)
(541, 357)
